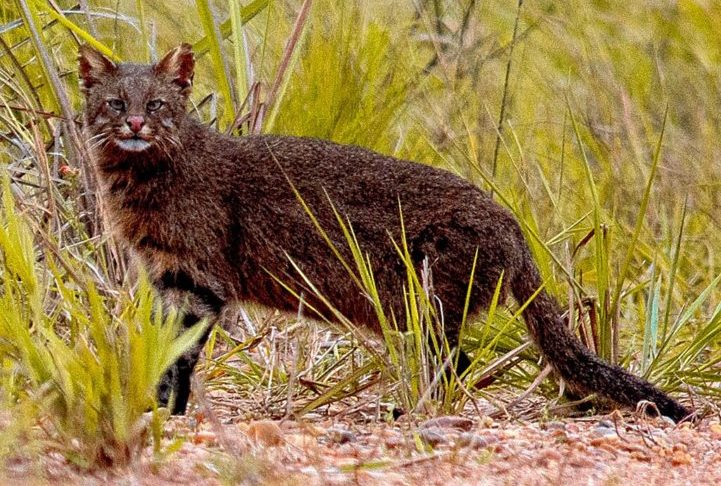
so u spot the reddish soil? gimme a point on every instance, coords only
(228, 449)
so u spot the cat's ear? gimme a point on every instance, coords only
(93, 67)
(178, 64)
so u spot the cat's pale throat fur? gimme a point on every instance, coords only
(212, 217)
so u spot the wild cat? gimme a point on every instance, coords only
(214, 218)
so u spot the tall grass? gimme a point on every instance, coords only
(605, 153)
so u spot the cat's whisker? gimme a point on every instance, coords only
(164, 148)
(98, 138)
(175, 141)
(97, 144)
(90, 141)
(176, 144)
(101, 142)
(97, 135)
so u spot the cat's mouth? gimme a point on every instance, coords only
(132, 144)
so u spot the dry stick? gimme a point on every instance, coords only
(220, 432)
(502, 362)
(356, 391)
(502, 116)
(77, 150)
(466, 392)
(91, 23)
(593, 322)
(465, 22)
(240, 117)
(44, 167)
(573, 404)
(25, 40)
(419, 459)
(642, 410)
(539, 379)
(438, 22)
(616, 416)
(53, 5)
(288, 51)
(363, 402)
(436, 28)
(53, 76)
(20, 71)
(293, 376)
(257, 110)
(43, 114)
(439, 374)
(53, 247)
(434, 35)
(37, 231)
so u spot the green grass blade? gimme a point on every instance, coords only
(287, 63)
(631, 249)
(601, 252)
(220, 70)
(240, 52)
(76, 29)
(140, 10)
(247, 13)
(650, 334)
(674, 268)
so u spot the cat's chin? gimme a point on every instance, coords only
(132, 144)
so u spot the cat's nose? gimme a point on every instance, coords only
(135, 122)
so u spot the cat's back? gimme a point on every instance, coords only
(325, 161)
(347, 173)
(269, 173)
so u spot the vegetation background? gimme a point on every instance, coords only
(595, 122)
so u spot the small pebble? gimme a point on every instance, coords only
(394, 440)
(603, 431)
(301, 441)
(640, 456)
(715, 429)
(547, 457)
(604, 441)
(475, 441)
(681, 458)
(265, 432)
(559, 436)
(448, 422)
(341, 436)
(487, 422)
(668, 420)
(432, 436)
(555, 426)
(205, 437)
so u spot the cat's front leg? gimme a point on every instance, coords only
(198, 302)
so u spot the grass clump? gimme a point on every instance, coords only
(85, 365)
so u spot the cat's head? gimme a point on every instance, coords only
(135, 108)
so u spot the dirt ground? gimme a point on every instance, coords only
(222, 446)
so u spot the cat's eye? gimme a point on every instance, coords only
(116, 104)
(154, 105)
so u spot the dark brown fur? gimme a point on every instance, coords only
(211, 216)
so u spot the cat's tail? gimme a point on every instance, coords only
(581, 369)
